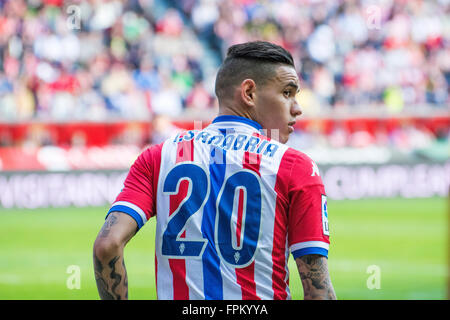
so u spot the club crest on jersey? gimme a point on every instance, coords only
(326, 230)
(237, 257)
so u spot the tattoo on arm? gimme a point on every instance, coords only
(125, 281)
(110, 286)
(315, 278)
(115, 276)
(110, 221)
(109, 265)
(102, 285)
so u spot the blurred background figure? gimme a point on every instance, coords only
(162, 129)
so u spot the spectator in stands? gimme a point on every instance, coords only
(136, 59)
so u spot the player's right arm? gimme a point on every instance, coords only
(109, 265)
(313, 270)
(132, 208)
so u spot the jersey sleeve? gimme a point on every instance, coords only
(308, 231)
(138, 196)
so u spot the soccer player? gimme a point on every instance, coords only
(231, 201)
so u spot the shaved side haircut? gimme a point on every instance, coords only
(255, 60)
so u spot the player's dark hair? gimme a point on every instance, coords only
(255, 60)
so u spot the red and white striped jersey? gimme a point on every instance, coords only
(230, 205)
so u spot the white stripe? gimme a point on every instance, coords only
(263, 262)
(268, 170)
(231, 290)
(164, 276)
(164, 289)
(194, 267)
(309, 244)
(194, 279)
(132, 206)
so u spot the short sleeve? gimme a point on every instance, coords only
(308, 231)
(138, 196)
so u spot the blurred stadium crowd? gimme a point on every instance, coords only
(102, 60)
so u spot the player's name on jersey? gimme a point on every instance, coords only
(231, 141)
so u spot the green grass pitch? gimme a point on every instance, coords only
(405, 239)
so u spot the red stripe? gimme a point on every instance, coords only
(278, 253)
(246, 279)
(185, 152)
(239, 217)
(176, 199)
(279, 283)
(246, 276)
(180, 288)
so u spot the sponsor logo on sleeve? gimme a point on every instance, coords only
(326, 230)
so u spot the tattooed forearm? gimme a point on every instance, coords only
(109, 280)
(315, 278)
(125, 281)
(109, 265)
(115, 276)
(102, 287)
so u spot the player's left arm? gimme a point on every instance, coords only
(308, 229)
(313, 270)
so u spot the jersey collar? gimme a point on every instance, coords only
(233, 118)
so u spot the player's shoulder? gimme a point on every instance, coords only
(297, 158)
(149, 155)
(300, 169)
(152, 150)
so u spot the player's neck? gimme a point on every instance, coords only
(229, 111)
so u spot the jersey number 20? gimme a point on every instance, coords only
(199, 188)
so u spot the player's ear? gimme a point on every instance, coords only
(248, 91)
